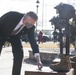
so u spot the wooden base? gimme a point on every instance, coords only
(49, 72)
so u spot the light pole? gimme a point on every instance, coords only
(42, 14)
(37, 5)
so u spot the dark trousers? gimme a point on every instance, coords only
(16, 50)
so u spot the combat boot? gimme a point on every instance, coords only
(63, 66)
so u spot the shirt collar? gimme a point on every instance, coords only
(21, 21)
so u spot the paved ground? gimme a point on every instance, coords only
(6, 61)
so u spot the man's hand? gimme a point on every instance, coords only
(39, 63)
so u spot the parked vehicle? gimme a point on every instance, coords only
(24, 38)
(45, 38)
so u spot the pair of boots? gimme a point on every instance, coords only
(63, 66)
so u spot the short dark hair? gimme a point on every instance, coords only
(33, 15)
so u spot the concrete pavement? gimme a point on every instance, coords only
(6, 62)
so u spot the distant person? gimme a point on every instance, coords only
(12, 26)
(40, 37)
(55, 34)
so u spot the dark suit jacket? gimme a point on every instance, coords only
(9, 21)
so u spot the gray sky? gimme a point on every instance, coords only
(45, 11)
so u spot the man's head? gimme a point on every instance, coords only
(29, 19)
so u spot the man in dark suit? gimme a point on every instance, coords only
(12, 26)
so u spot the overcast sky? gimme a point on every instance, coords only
(45, 11)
